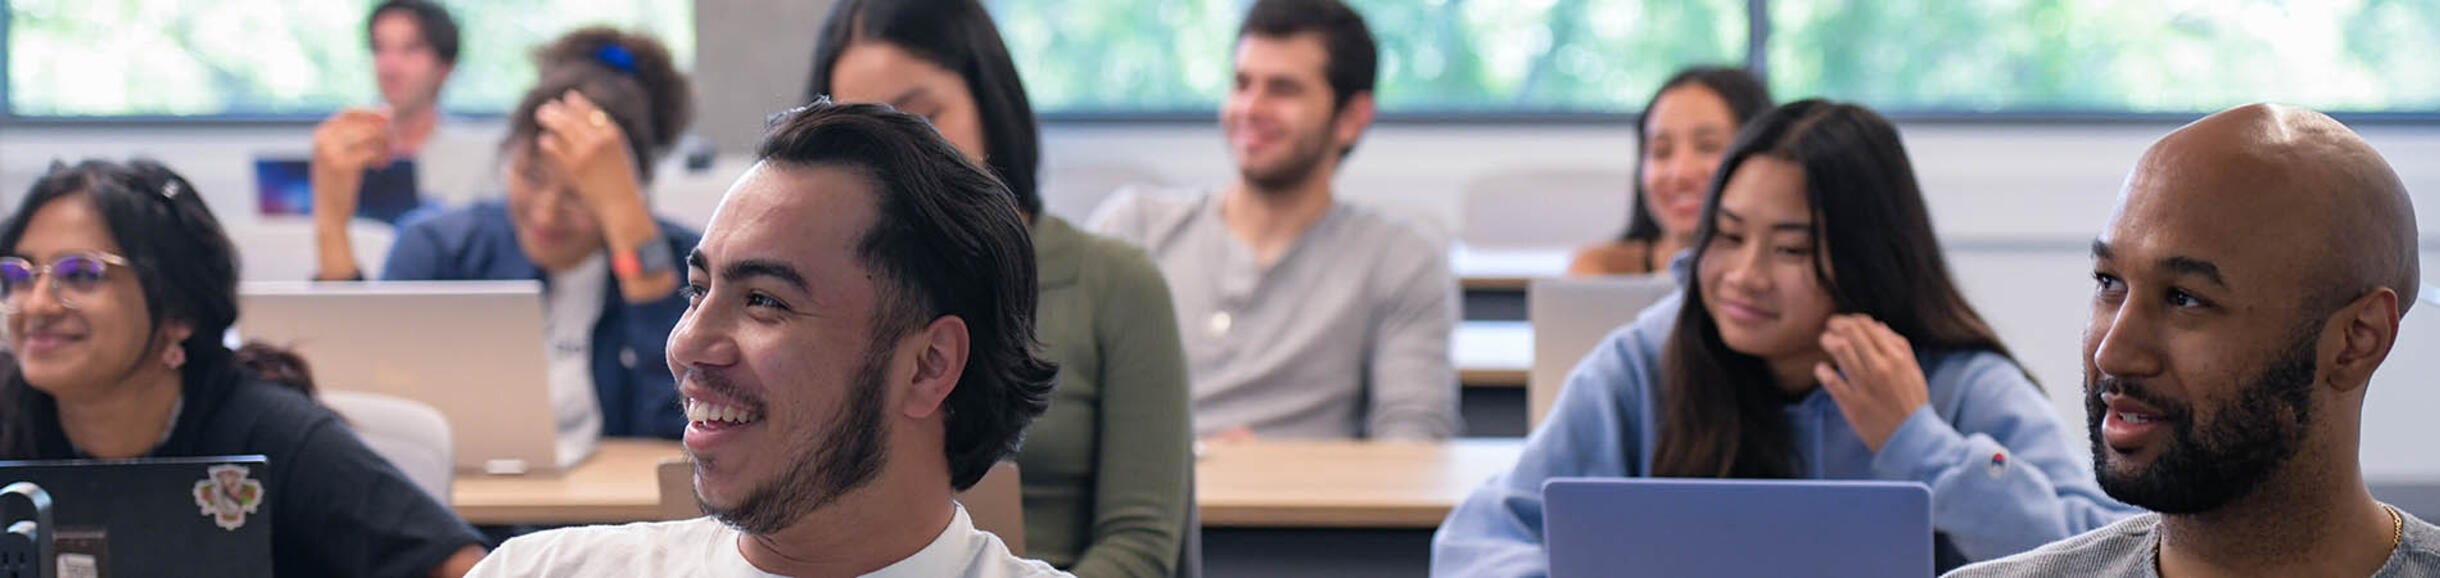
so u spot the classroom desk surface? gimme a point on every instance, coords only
(1492, 353)
(1274, 484)
(1344, 484)
(1506, 269)
(616, 485)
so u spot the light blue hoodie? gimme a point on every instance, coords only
(2003, 477)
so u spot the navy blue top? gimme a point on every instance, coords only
(631, 378)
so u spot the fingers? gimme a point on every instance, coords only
(577, 103)
(1840, 341)
(1831, 380)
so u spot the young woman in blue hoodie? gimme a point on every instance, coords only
(1819, 336)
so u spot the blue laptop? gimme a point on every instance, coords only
(191, 517)
(1730, 528)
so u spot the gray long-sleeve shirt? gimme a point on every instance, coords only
(2131, 548)
(1346, 336)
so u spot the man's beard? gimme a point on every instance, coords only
(1305, 157)
(848, 455)
(2247, 441)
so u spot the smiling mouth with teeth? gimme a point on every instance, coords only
(2136, 418)
(708, 412)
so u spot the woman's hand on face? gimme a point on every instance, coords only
(1873, 376)
(590, 150)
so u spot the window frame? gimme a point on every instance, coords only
(1757, 59)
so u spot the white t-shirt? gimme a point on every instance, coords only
(705, 547)
(570, 308)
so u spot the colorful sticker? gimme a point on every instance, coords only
(227, 495)
(1999, 464)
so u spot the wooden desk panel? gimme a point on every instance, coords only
(1276, 484)
(620, 483)
(1338, 484)
(1492, 353)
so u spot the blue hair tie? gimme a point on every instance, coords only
(616, 57)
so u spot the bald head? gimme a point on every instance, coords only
(2296, 183)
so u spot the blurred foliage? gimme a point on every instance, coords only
(2109, 56)
(272, 57)
(280, 57)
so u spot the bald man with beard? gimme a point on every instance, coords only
(2250, 282)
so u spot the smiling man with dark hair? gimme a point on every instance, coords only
(858, 348)
(2248, 286)
(1303, 316)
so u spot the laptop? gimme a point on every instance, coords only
(1731, 528)
(199, 517)
(1570, 316)
(474, 350)
(283, 186)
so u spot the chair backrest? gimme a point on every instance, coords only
(996, 504)
(1557, 207)
(412, 436)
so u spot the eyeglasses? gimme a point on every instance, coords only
(72, 275)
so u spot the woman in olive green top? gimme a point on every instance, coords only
(1105, 471)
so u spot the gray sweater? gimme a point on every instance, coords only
(2128, 548)
(1346, 336)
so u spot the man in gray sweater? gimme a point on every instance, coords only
(1302, 316)
(2250, 282)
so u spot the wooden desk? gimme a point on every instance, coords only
(1274, 484)
(1339, 484)
(618, 484)
(1505, 269)
(1492, 353)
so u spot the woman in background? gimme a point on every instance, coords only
(119, 285)
(1819, 336)
(1105, 470)
(1679, 138)
(579, 154)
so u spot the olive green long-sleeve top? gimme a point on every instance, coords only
(1105, 468)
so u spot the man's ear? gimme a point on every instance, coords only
(940, 360)
(2364, 329)
(1353, 119)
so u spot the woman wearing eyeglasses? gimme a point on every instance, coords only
(118, 284)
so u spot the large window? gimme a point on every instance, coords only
(1437, 56)
(180, 58)
(1087, 57)
(2075, 56)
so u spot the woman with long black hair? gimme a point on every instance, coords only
(1819, 336)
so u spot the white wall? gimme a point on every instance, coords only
(2016, 206)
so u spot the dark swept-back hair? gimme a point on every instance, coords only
(946, 240)
(432, 23)
(1722, 409)
(1354, 60)
(181, 259)
(630, 76)
(1746, 97)
(958, 36)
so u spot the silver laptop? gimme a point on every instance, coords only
(1570, 316)
(473, 350)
